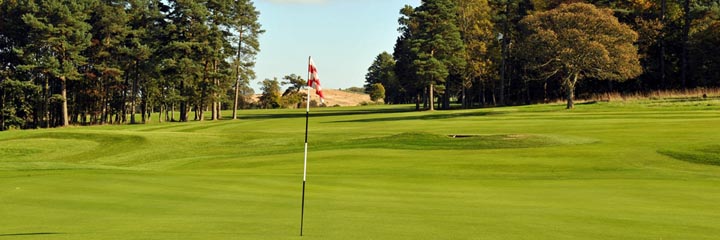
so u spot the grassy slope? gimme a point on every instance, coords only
(602, 171)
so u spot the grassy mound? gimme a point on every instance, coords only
(67, 150)
(709, 155)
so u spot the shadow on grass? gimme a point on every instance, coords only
(709, 155)
(323, 113)
(435, 116)
(28, 234)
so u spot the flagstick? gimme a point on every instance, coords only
(307, 119)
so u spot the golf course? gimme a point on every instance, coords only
(640, 169)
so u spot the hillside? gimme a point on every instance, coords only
(338, 97)
(334, 97)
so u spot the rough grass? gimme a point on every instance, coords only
(619, 170)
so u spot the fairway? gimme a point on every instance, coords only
(610, 170)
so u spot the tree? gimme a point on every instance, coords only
(579, 41)
(376, 91)
(245, 22)
(59, 34)
(405, 71)
(107, 58)
(95, 60)
(476, 28)
(187, 54)
(15, 103)
(382, 71)
(270, 97)
(292, 97)
(704, 45)
(437, 44)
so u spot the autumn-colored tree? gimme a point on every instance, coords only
(476, 28)
(579, 41)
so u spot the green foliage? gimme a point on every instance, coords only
(382, 71)
(16, 103)
(58, 34)
(377, 92)
(437, 43)
(133, 56)
(293, 97)
(355, 90)
(704, 43)
(295, 84)
(271, 97)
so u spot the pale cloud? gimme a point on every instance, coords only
(298, 1)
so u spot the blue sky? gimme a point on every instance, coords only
(342, 36)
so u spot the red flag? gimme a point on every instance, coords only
(314, 80)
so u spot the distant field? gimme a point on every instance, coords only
(609, 170)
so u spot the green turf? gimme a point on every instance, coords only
(619, 170)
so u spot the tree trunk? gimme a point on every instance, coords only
(133, 98)
(481, 97)
(216, 100)
(183, 111)
(417, 101)
(2, 107)
(64, 102)
(464, 97)
(446, 97)
(425, 98)
(663, 18)
(431, 97)
(219, 110)
(237, 98)
(104, 101)
(237, 75)
(124, 106)
(570, 88)
(504, 50)
(213, 114)
(570, 97)
(685, 36)
(46, 103)
(183, 106)
(144, 109)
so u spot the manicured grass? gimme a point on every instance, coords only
(618, 170)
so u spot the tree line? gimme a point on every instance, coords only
(509, 52)
(68, 62)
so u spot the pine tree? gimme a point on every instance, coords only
(59, 34)
(244, 21)
(438, 45)
(382, 71)
(404, 56)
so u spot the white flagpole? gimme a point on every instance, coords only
(307, 118)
